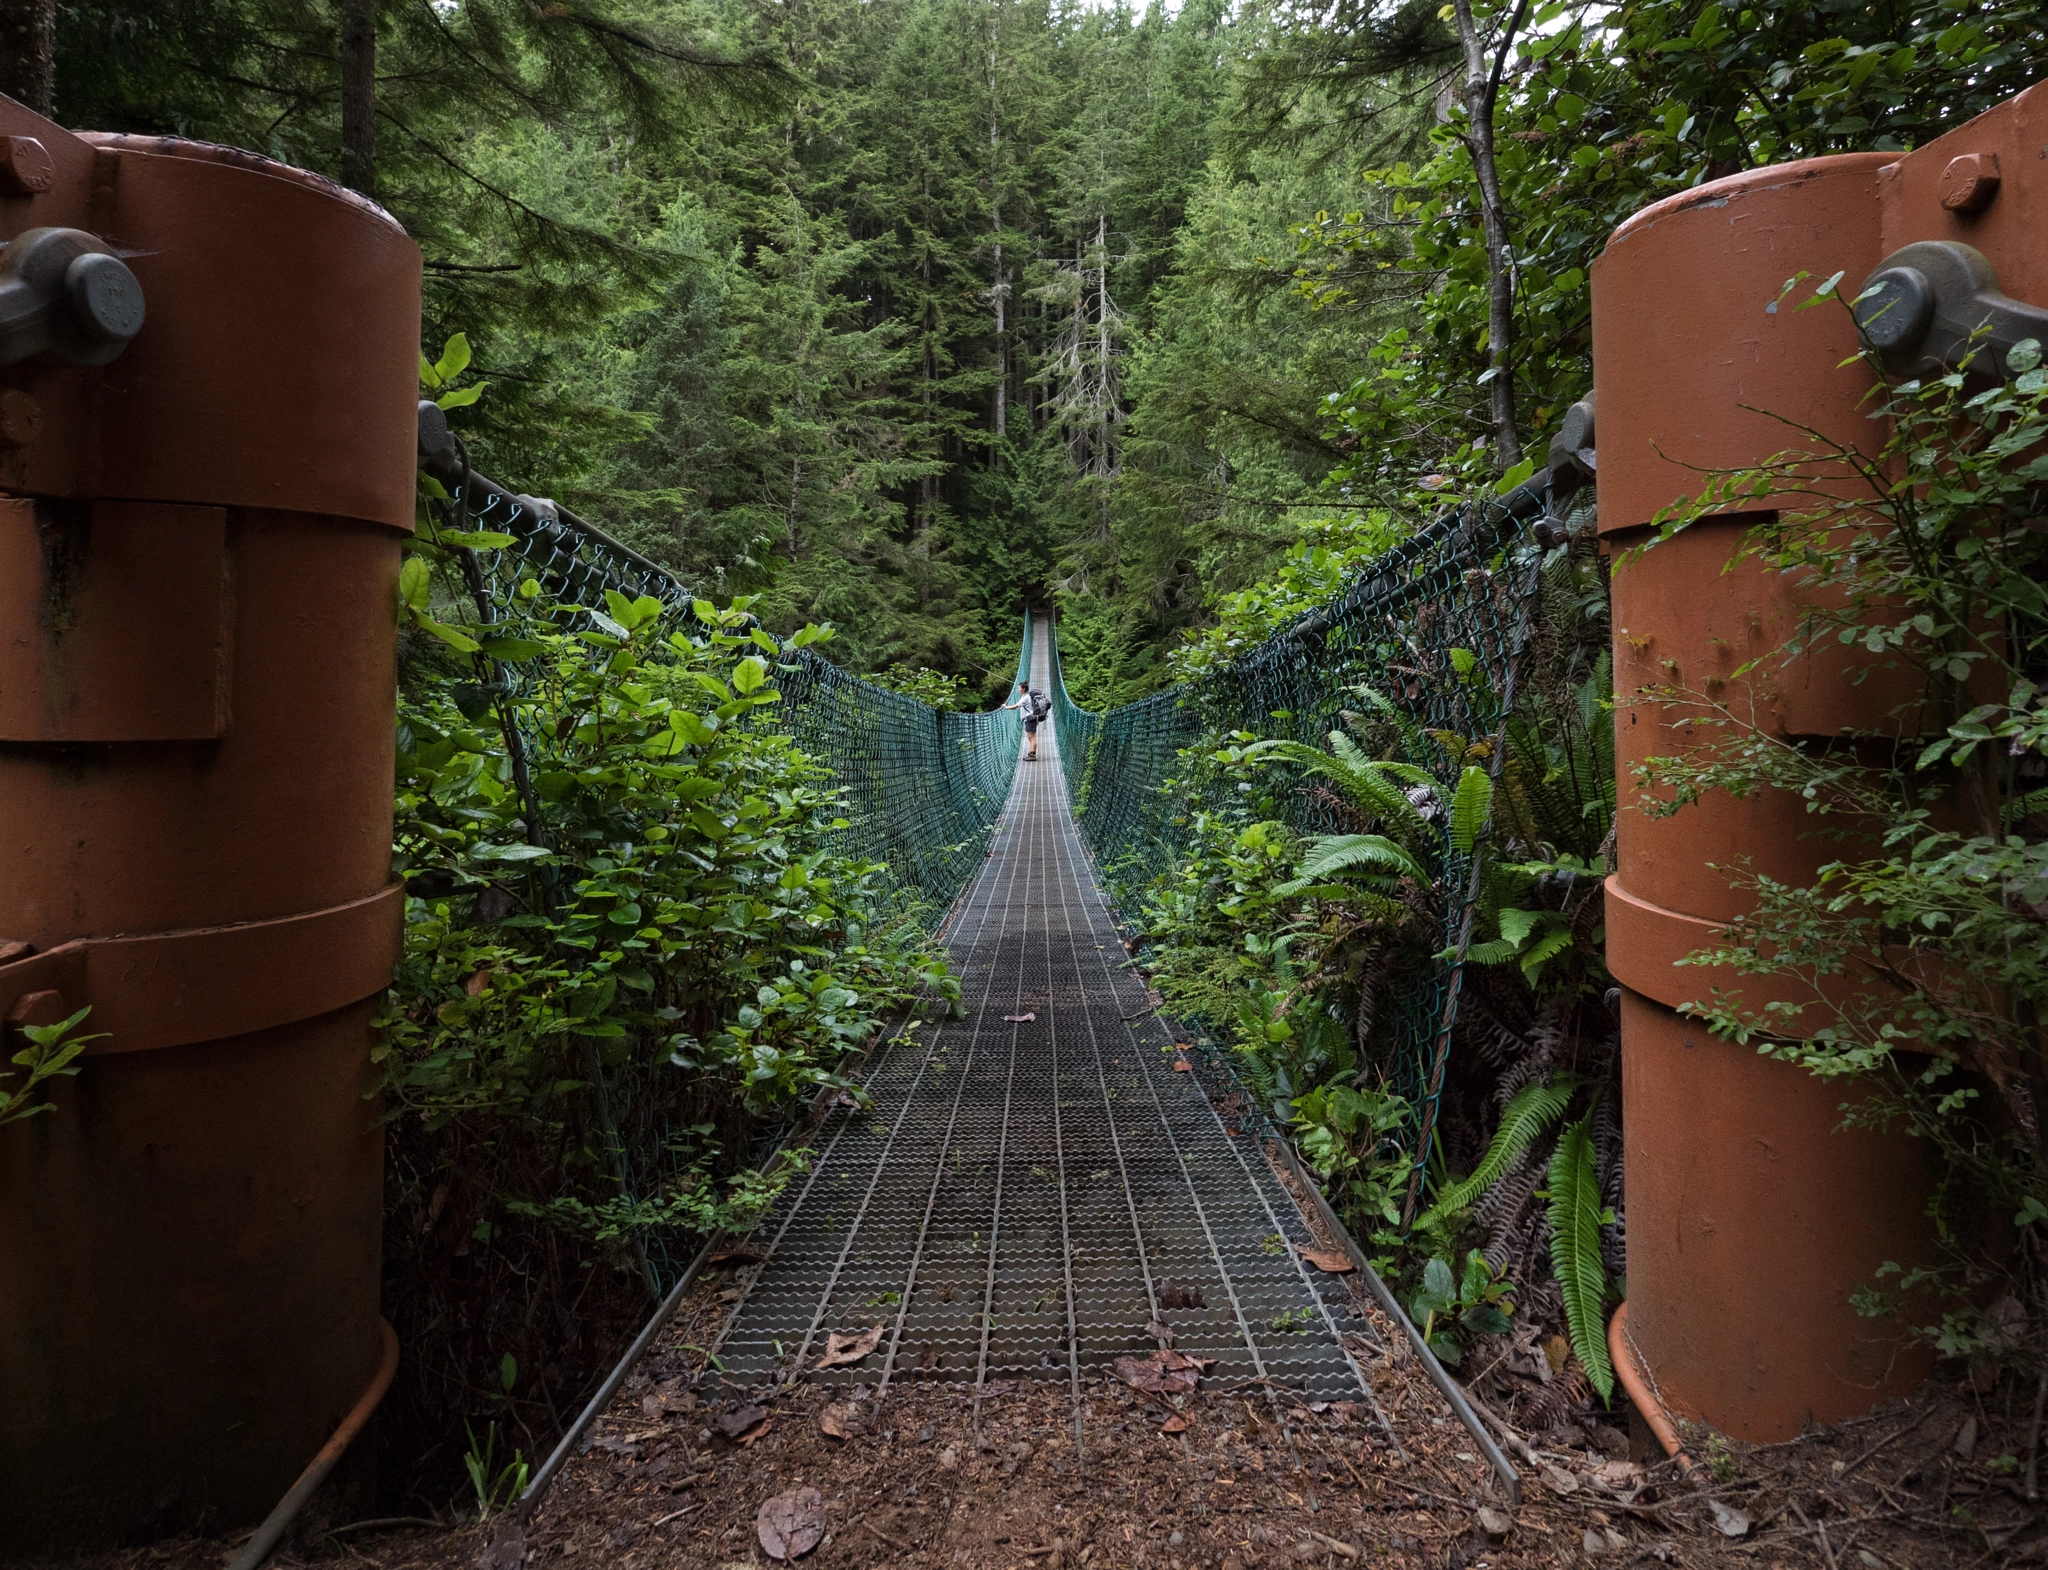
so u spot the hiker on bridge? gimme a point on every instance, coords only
(1031, 707)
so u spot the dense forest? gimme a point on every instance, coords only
(897, 312)
(897, 315)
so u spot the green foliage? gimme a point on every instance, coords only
(1447, 1304)
(52, 1053)
(921, 682)
(1351, 1139)
(494, 1485)
(1533, 1110)
(1576, 1217)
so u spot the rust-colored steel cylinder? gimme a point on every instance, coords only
(200, 530)
(1753, 1217)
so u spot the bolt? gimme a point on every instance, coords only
(25, 166)
(1969, 182)
(21, 418)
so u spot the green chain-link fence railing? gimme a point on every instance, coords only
(1438, 629)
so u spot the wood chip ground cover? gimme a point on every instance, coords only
(1209, 1483)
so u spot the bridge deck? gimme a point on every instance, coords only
(1036, 1182)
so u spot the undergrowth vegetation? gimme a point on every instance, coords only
(632, 957)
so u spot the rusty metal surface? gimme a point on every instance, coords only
(1752, 1218)
(197, 674)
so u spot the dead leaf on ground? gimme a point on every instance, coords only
(929, 1363)
(1164, 1373)
(1559, 1482)
(1021, 1019)
(845, 1346)
(1159, 1331)
(506, 1550)
(791, 1524)
(1494, 1523)
(1174, 1425)
(734, 1424)
(748, 1438)
(1728, 1521)
(836, 1421)
(1173, 1295)
(1332, 1262)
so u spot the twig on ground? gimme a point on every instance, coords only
(901, 1548)
(1335, 1545)
(2034, 1437)
(675, 1514)
(1827, 1549)
(1515, 1441)
(1888, 1438)
(378, 1523)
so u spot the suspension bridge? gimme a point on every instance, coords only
(1059, 1181)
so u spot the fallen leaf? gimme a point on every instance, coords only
(1021, 1019)
(734, 1424)
(477, 981)
(1174, 1425)
(1556, 1353)
(1559, 1482)
(1618, 1475)
(1332, 1262)
(748, 1438)
(929, 1362)
(949, 1458)
(846, 1347)
(1159, 1331)
(836, 1420)
(1347, 1410)
(1164, 1373)
(1728, 1521)
(650, 1405)
(1494, 1523)
(1593, 1542)
(946, 1291)
(1966, 1439)
(791, 1524)
(1173, 1295)
(1183, 1066)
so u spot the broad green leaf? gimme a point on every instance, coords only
(462, 397)
(750, 674)
(415, 582)
(454, 357)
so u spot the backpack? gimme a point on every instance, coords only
(1041, 705)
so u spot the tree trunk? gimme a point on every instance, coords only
(28, 53)
(999, 289)
(1482, 88)
(359, 95)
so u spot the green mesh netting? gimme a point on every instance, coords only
(922, 788)
(1437, 627)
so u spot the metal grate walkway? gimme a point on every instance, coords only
(1023, 1197)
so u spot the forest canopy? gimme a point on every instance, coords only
(898, 312)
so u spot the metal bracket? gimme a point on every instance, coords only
(1933, 304)
(66, 297)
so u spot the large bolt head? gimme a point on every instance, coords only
(1969, 182)
(1895, 308)
(25, 166)
(106, 300)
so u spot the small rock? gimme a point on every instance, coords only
(1870, 1559)
(1559, 1482)
(949, 1458)
(1494, 1523)
(1966, 1438)
(1593, 1542)
(1728, 1521)
(1611, 1442)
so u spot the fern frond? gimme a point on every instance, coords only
(1471, 806)
(1576, 1216)
(1532, 1111)
(1335, 852)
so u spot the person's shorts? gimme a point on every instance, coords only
(1031, 727)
